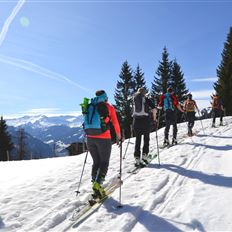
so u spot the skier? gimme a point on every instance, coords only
(217, 109)
(142, 125)
(99, 140)
(169, 102)
(189, 107)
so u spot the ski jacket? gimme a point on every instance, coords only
(113, 118)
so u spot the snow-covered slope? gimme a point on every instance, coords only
(190, 191)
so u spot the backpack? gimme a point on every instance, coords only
(168, 102)
(215, 103)
(190, 105)
(94, 116)
(140, 106)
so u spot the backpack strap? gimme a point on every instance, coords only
(94, 109)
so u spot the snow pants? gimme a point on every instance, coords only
(217, 113)
(100, 150)
(141, 126)
(191, 120)
(170, 119)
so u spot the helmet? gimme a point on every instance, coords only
(142, 90)
(190, 96)
(169, 89)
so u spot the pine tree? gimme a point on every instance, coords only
(178, 82)
(161, 83)
(123, 97)
(139, 80)
(5, 141)
(223, 86)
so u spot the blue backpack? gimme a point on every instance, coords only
(168, 102)
(94, 116)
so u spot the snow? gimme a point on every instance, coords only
(190, 191)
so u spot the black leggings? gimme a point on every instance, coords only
(190, 119)
(100, 150)
(146, 139)
(217, 113)
(170, 119)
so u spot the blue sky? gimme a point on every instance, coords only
(54, 53)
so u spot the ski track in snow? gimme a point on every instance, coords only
(165, 183)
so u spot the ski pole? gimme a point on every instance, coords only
(156, 134)
(77, 191)
(120, 164)
(225, 116)
(120, 177)
(201, 122)
(126, 148)
(131, 134)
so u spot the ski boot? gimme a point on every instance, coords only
(98, 190)
(190, 133)
(139, 163)
(166, 143)
(174, 141)
(213, 125)
(145, 158)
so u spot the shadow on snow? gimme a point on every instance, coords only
(150, 221)
(215, 179)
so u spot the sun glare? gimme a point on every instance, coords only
(24, 21)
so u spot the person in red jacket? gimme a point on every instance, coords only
(169, 103)
(99, 146)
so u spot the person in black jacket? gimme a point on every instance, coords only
(142, 124)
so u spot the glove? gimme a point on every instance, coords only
(119, 139)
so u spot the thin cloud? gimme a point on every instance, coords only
(50, 112)
(202, 94)
(209, 79)
(29, 66)
(202, 104)
(9, 20)
(42, 110)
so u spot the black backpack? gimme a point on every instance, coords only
(140, 106)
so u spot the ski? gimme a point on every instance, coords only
(189, 136)
(92, 205)
(136, 169)
(165, 146)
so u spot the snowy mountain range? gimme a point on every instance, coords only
(42, 121)
(34, 148)
(57, 131)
